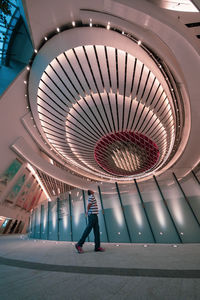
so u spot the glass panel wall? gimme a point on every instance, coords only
(187, 226)
(159, 218)
(156, 210)
(191, 189)
(116, 226)
(101, 216)
(78, 214)
(37, 223)
(44, 215)
(32, 224)
(197, 174)
(64, 219)
(134, 213)
(52, 226)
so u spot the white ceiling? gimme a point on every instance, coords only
(91, 91)
(44, 17)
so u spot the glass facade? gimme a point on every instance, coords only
(159, 210)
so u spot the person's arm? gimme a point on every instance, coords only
(88, 207)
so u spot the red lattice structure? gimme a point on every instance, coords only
(126, 153)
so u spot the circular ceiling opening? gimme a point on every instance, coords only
(126, 153)
(92, 93)
(108, 111)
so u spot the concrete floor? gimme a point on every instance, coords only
(36, 269)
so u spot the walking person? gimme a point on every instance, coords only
(93, 222)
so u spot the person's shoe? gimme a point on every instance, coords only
(79, 249)
(100, 249)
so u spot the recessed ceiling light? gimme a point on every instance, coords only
(35, 51)
(58, 29)
(139, 43)
(45, 38)
(73, 23)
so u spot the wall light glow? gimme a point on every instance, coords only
(54, 217)
(137, 214)
(118, 214)
(77, 212)
(45, 220)
(178, 211)
(65, 220)
(160, 214)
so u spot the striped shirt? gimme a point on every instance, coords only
(93, 208)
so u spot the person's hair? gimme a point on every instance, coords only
(89, 192)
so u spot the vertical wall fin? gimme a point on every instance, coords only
(70, 212)
(84, 202)
(41, 219)
(100, 196)
(48, 217)
(186, 199)
(166, 205)
(195, 176)
(138, 190)
(58, 218)
(122, 208)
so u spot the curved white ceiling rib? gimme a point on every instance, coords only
(23, 149)
(177, 5)
(96, 84)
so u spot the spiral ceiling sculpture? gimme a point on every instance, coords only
(106, 112)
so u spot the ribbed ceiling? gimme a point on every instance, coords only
(90, 92)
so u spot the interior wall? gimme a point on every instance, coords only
(19, 193)
(152, 212)
(13, 106)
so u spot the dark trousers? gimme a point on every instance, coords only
(93, 222)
